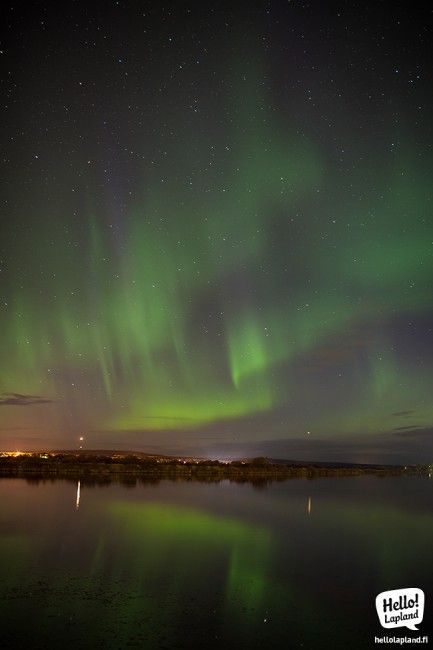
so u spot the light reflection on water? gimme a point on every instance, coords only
(188, 564)
(77, 498)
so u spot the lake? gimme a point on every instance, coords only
(182, 564)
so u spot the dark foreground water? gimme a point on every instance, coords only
(200, 565)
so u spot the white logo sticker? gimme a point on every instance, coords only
(401, 607)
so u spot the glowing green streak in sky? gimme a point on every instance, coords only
(198, 304)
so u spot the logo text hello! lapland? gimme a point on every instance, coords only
(400, 607)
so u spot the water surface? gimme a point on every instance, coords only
(209, 565)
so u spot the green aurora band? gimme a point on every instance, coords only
(215, 300)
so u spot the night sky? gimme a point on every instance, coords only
(216, 228)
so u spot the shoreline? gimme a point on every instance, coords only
(129, 467)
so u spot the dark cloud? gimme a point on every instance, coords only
(400, 414)
(18, 399)
(411, 432)
(170, 417)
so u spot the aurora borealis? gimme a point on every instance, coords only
(216, 229)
